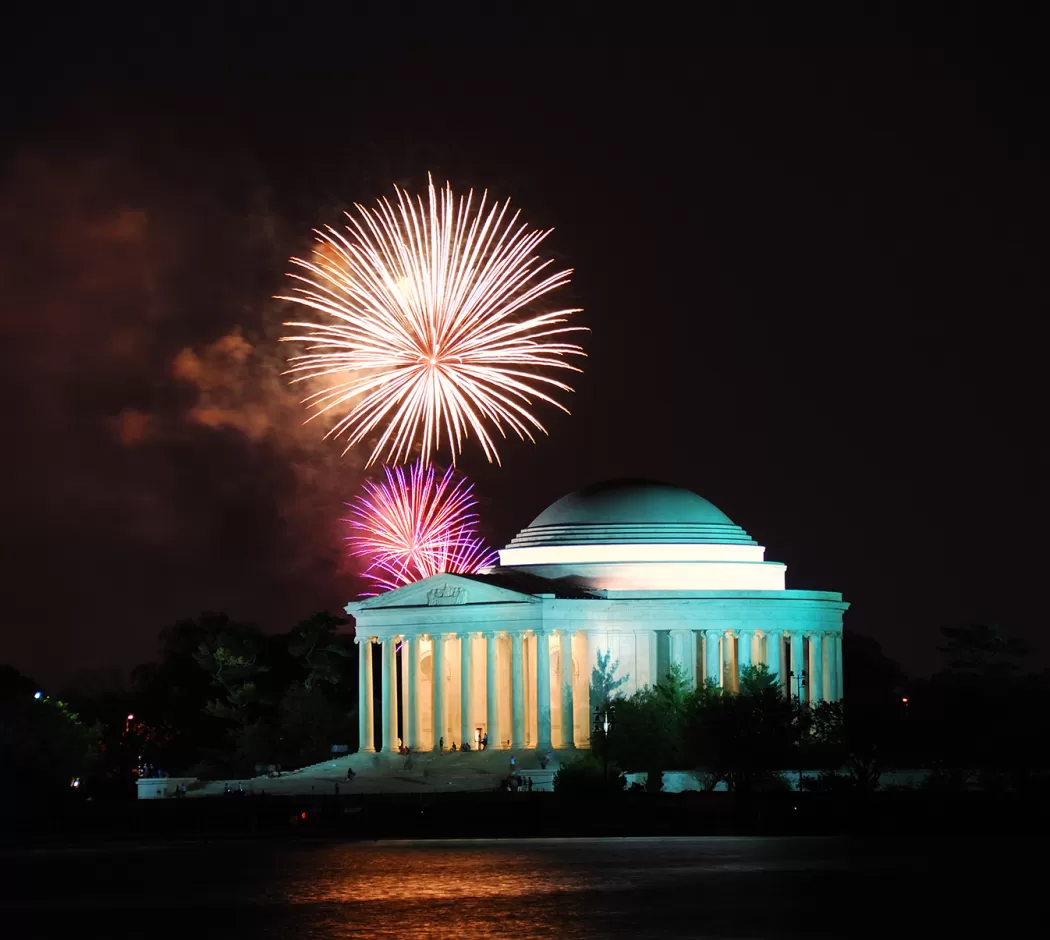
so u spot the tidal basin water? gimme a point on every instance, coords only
(573, 888)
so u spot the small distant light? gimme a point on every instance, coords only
(131, 717)
(905, 700)
(38, 695)
(302, 815)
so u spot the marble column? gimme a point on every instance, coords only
(680, 650)
(711, 656)
(390, 694)
(491, 690)
(728, 670)
(816, 669)
(410, 677)
(543, 691)
(568, 718)
(773, 639)
(654, 668)
(743, 653)
(437, 664)
(517, 684)
(581, 685)
(365, 715)
(466, 689)
(798, 666)
(838, 667)
(829, 667)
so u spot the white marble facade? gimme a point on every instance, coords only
(652, 574)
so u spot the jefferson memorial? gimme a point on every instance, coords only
(652, 574)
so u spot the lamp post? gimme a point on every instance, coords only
(800, 684)
(602, 726)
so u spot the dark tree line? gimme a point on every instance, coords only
(221, 699)
(980, 721)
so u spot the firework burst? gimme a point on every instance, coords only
(430, 333)
(411, 526)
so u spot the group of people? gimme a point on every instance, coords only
(482, 743)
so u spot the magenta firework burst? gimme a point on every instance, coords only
(416, 524)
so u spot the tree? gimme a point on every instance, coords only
(44, 745)
(742, 738)
(318, 643)
(309, 723)
(230, 658)
(982, 650)
(604, 692)
(586, 777)
(874, 678)
(977, 718)
(852, 736)
(604, 684)
(649, 729)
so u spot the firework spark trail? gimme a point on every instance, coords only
(428, 316)
(415, 525)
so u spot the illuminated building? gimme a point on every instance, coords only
(650, 573)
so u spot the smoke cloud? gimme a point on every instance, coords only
(160, 463)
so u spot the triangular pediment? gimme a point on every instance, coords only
(443, 590)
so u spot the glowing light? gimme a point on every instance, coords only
(131, 717)
(414, 525)
(629, 552)
(38, 695)
(430, 333)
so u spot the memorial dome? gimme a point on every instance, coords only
(631, 512)
(640, 535)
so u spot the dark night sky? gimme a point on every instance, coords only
(816, 283)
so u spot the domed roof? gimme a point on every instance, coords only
(630, 501)
(626, 512)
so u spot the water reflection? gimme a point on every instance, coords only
(637, 888)
(484, 869)
(568, 888)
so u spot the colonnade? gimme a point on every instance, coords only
(509, 670)
(512, 694)
(807, 663)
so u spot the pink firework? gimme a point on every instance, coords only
(415, 525)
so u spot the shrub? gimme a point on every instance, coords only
(586, 777)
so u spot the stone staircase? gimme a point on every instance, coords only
(425, 772)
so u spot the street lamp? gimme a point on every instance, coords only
(800, 684)
(602, 726)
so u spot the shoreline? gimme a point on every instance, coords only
(524, 816)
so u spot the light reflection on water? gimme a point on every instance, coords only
(561, 888)
(637, 888)
(482, 869)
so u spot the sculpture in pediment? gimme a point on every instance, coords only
(446, 594)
